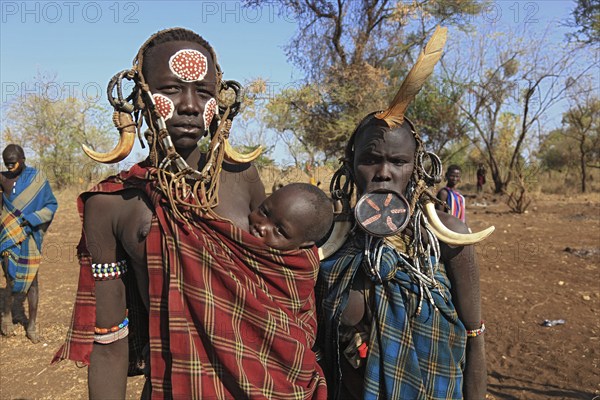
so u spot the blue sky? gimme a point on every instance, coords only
(85, 42)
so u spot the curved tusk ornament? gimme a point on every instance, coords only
(232, 155)
(339, 234)
(449, 237)
(126, 126)
(336, 240)
(120, 152)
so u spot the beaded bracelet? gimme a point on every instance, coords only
(107, 271)
(116, 328)
(476, 332)
(108, 338)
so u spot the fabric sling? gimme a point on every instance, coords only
(410, 356)
(32, 201)
(229, 317)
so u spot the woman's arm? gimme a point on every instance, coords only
(107, 373)
(443, 196)
(463, 272)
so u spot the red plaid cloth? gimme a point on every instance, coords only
(229, 317)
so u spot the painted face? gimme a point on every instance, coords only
(164, 105)
(282, 220)
(188, 65)
(209, 112)
(384, 158)
(182, 79)
(13, 163)
(453, 177)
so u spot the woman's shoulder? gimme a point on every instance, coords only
(453, 223)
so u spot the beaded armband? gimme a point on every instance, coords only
(108, 271)
(112, 334)
(108, 338)
(476, 332)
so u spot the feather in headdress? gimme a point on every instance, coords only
(394, 114)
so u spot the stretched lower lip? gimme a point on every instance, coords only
(378, 187)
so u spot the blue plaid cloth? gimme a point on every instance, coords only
(31, 200)
(410, 356)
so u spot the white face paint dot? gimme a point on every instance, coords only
(188, 65)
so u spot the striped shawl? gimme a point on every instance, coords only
(34, 202)
(456, 203)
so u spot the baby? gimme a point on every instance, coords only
(296, 216)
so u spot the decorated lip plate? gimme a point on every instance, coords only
(382, 213)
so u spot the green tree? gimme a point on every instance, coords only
(557, 152)
(353, 55)
(437, 116)
(502, 73)
(586, 20)
(53, 127)
(581, 123)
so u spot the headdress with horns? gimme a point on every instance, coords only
(421, 200)
(172, 167)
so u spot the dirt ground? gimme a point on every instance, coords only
(527, 276)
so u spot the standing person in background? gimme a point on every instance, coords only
(451, 196)
(28, 206)
(480, 178)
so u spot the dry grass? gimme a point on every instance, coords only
(525, 274)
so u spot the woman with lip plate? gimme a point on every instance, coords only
(399, 308)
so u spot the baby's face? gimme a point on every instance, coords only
(280, 222)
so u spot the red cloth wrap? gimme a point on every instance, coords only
(229, 317)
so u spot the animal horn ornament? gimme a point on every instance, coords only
(124, 123)
(339, 234)
(450, 237)
(230, 153)
(341, 231)
(121, 118)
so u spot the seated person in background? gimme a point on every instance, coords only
(295, 216)
(452, 197)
